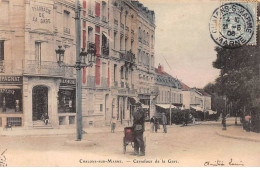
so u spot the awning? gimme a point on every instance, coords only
(166, 106)
(10, 87)
(211, 112)
(133, 100)
(108, 37)
(145, 106)
(197, 108)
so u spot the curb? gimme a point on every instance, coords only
(238, 137)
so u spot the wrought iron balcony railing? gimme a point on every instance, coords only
(66, 30)
(46, 68)
(105, 51)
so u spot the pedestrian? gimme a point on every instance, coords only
(139, 128)
(113, 124)
(155, 124)
(46, 119)
(152, 123)
(164, 122)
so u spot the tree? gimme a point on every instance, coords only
(239, 77)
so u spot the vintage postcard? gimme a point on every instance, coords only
(129, 83)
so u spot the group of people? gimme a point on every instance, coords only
(155, 123)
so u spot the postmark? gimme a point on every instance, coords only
(232, 25)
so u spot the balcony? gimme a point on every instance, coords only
(104, 82)
(66, 30)
(105, 51)
(91, 82)
(128, 57)
(127, 28)
(91, 45)
(46, 68)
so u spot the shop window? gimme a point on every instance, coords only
(67, 101)
(14, 121)
(71, 120)
(2, 51)
(10, 100)
(62, 120)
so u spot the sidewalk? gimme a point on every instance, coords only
(52, 132)
(237, 132)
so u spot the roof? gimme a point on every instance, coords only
(203, 92)
(184, 87)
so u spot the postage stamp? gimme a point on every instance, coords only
(234, 24)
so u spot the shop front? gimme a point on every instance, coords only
(11, 110)
(67, 102)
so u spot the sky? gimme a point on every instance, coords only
(182, 39)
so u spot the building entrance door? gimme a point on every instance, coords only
(39, 102)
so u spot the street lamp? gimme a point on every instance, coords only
(87, 58)
(83, 59)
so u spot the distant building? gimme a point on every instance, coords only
(195, 98)
(169, 91)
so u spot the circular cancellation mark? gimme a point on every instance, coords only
(231, 25)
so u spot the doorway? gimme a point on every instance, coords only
(39, 102)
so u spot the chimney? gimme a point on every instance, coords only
(160, 69)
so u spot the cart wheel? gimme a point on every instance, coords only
(124, 145)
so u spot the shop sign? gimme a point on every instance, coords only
(68, 82)
(11, 79)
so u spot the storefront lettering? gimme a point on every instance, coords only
(7, 91)
(10, 79)
(41, 15)
(68, 82)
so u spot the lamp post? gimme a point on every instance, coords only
(83, 59)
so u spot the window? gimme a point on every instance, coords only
(38, 52)
(104, 11)
(139, 56)
(122, 72)
(2, 56)
(121, 43)
(126, 44)
(66, 22)
(115, 37)
(101, 107)
(62, 120)
(90, 34)
(152, 41)
(14, 121)
(71, 120)
(126, 74)
(11, 101)
(115, 72)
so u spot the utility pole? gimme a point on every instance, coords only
(79, 73)
(170, 105)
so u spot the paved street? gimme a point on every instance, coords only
(182, 146)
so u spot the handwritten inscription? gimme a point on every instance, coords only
(220, 163)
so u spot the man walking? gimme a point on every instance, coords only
(139, 119)
(164, 121)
